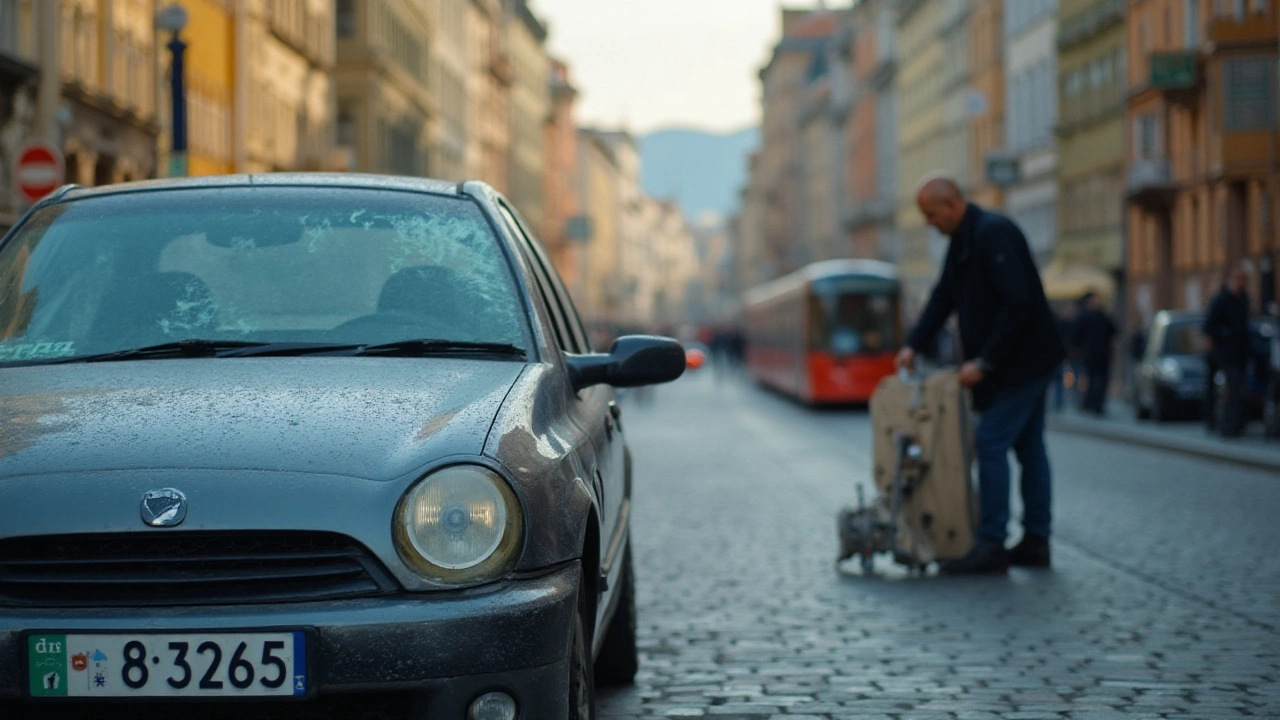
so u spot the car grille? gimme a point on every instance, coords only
(188, 568)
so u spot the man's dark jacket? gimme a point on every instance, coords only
(1227, 324)
(990, 281)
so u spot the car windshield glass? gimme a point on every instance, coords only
(1183, 338)
(274, 264)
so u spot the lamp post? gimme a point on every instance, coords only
(173, 18)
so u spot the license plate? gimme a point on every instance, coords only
(167, 665)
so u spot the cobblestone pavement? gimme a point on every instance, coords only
(1164, 600)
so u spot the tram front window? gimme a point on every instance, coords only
(849, 324)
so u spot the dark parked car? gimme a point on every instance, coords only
(1170, 381)
(310, 443)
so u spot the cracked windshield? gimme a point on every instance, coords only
(623, 359)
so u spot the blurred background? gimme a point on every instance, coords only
(713, 145)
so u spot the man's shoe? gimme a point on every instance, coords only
(1033, 552)
(986, 558)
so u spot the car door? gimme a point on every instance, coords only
(595, 409)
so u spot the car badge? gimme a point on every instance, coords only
(164, 508)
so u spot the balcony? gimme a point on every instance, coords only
(1150, 184)
(1252, 28)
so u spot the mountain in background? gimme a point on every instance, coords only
(701, 170)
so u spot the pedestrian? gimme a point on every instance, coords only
(1227, 327)
(1093, 335)
(1011, 345)
(1066, 326)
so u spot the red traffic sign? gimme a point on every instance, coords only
(38, 170)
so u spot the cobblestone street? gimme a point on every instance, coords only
(1162, 601)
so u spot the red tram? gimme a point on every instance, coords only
(826, 333)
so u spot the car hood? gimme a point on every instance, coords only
(375, 418)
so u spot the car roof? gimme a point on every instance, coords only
(364, 181)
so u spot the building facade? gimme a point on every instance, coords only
(986, 122)
(384, 105)
(921, 90)
(449, 83)
(778, 177)
(560, 175)
(20, 45)
(1031, 111)
(1088, 254)
(1201, 172)
(595, 287)
(530, 106)
(489, 93)
(871, 132)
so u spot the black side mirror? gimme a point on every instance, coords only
(634, 360)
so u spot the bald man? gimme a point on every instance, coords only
(1011, 348)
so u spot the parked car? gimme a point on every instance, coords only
(1171, 376)
(305, 443)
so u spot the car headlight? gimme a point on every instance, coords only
(460, 524)
(1170, 370)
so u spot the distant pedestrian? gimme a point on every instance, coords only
(1227, 327)
(1066, 327)
(1011, 345)
(1093, 336)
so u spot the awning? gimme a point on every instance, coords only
(1070, 281)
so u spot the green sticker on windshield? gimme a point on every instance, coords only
(37, 351)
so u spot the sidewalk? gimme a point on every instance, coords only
(1190, 438)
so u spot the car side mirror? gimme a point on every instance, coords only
(634, 360)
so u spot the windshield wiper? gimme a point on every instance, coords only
(190, 348)
(420, 348)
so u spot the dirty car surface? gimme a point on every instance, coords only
(305, 444)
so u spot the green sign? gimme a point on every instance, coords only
(1173, 70)
(47, 665)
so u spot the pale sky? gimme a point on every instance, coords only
(652, 64)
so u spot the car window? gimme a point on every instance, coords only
(563, 300)
(263, 264)
(1183, 338)
(564, 337)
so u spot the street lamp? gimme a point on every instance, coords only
(173, 18)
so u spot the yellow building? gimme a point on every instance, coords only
(259, 85)
(384, 103)
(920, 91)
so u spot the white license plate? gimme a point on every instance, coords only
(167, 665)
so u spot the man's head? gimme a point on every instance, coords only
(1237, 281)
(942, 204)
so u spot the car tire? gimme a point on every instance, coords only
(619, 657)
(582, 683)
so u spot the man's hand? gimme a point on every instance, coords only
(906, 359)
(970, 374)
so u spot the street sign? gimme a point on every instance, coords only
(38, 170)
(1003, 170)
(1173, 70)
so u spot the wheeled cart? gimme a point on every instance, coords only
(925, 508)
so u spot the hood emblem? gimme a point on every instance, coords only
(164, 508)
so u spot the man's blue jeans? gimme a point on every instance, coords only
(1014, 421)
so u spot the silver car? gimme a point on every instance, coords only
(312, 445)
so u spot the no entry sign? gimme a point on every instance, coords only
(37, 171)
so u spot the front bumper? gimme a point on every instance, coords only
(441, 649)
